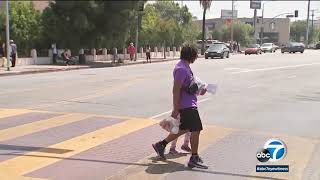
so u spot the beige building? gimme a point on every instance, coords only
(275, 30)
(38, 5)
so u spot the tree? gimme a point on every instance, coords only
(216, 34)
(25, 25)
(242, 33)
(205, 5)
(297, 30)
(88, 24)
(167, 22)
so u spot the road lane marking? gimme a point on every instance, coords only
(13, 112)
(255, 85)
(37, 126)
(292, 77)
(210, 135)
(35, 160)
(275, 68)
(96, 94)
(169, 111)
(230, 69)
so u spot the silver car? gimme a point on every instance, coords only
(268, 47)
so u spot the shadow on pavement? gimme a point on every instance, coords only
(31, 148)
(154, 167)
(171, 167)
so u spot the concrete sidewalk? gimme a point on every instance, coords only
(31, 69)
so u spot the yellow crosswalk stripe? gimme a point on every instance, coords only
(209, 136)
(13, 112)
(29, 128)
(35, 160)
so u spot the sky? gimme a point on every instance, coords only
(271, 8)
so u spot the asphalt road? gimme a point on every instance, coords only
(271, 93)
(263, 92)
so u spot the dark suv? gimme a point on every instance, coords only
(293, 47)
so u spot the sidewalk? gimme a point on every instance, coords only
(32, 69)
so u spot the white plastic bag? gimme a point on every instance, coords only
(171, 125)
(211, 88)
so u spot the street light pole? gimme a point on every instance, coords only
(312, 24)
(307, 28)
(137, 38)
(7, 35)
(262, 24)
(232, 23)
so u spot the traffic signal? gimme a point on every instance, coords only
(296, 13)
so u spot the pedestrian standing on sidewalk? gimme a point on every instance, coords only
(115, 54)
(185, 105)
(1, 54)
(54, 53)
(13, 53)
(132, 51)
(148, 53)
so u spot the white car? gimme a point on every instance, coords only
(268, 47)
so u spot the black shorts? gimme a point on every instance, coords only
(190, 119)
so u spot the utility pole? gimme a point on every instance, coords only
(254, 21)
(262, 26)
(232, 22)
(307, 28)
(7, 35)
(137, 38)
(312, 24)
(139, 13)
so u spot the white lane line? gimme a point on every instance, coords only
(167, 112)
(230, 69)
(255, 85)
(291, 77)
(275, 68)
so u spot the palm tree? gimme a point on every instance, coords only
(205, 5)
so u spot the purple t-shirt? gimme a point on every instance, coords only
(183, 74)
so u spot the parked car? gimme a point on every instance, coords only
(293, 47)
(217, 50)
(268, 47)
(317, 45)
(253, 49)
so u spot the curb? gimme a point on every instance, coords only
(85, 67)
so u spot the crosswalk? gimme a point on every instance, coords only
(43, 145)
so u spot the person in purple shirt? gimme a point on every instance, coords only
(185, 105)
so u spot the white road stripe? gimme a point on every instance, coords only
(275, 68)
(255, 85)
(167, 112)
(292, 77)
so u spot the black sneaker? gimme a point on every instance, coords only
(196, 161)
(159, 148)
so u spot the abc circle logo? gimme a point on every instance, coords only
(274, 150)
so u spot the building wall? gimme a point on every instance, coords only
(38, 5)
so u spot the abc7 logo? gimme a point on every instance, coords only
(274, 150)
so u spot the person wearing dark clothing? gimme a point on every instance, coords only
(13, 53)
(54, 53)
(148, 53)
